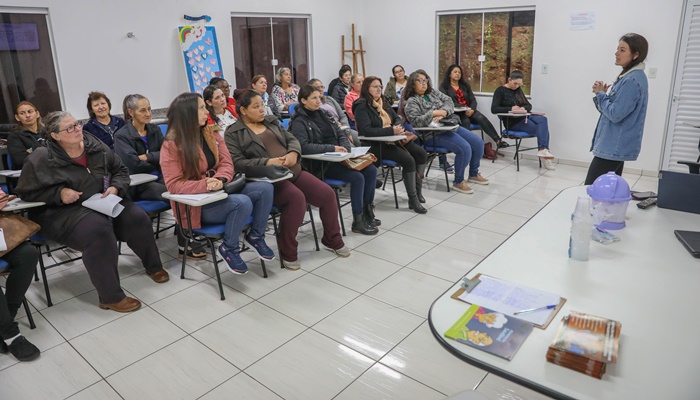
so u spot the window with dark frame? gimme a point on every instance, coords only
(487, 45)
(27, 70)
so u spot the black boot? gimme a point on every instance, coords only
(359, 225)
(409, 180)
(420, 174)
(368, 215)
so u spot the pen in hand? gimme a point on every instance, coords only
(529, 310)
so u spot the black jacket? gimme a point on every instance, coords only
(18, 142)
(466, 91)
(128, 146)
(96, 128)
(246, 148)
(49, 169)
(313, 139)
(369, 123)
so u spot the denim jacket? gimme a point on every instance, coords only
(618, 135)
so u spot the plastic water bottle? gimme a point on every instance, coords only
(581, 228)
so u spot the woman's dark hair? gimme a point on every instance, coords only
(638, 44)
(130, 102)
(394, 68)
(345, 68)
(410, 91)
(215, 80)
(516, 75)
(304, 93)
(94, 96)
(184, 130)
(364, 92)
(20, 125)
(244, 99)
(208, 95)
(447, 81)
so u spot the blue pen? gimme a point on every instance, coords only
(529, 310)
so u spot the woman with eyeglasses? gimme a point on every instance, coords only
(341, 88)
(27, 136)
(424, 105)
(284, 92)
(259, 84)
(72, 168)
(509, 98)
(102, 123)
(396, 84)
(375, 117)
(222, 84)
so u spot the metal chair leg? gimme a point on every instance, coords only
(313, 226)
(340, 210)
(184, 258)
(49, 303)
(30, 318)
(393, 184)
(216, 268)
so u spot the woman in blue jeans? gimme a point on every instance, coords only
(510, 98)
(425, 106)
(317, 133)
(194, 159)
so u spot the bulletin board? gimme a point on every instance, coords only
(200, 50)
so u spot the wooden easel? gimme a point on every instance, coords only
(354, 52)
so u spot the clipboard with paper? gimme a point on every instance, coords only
(509, 298)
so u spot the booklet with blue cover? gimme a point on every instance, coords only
(490, 331)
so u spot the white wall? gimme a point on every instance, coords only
(576, 59)
(93, 51)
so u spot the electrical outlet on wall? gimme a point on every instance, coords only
(545, 68)
(651, 73)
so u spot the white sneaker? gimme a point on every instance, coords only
(291, 265)
(544, 153)
(342, 252)
(548, 163)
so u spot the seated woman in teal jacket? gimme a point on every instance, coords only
(622, 108)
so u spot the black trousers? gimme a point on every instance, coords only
(148, 191)
(408, 158)
(600, 166)
(96, 236)
(22, 260)
(481, 120)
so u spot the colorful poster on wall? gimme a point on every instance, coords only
(201, 52)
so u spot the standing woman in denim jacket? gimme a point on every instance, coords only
(623, 109)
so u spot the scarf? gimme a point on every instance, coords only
(379, 105)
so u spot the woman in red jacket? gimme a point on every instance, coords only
(194, 159)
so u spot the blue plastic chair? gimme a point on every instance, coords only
(154, 208)
(163, 128)
(292, 108)
(433, 152)
(5, 270)
(389, 165)
(518, 136)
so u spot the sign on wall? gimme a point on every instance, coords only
(201, 52)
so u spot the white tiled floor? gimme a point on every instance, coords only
(339, 328)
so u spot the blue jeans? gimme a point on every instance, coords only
(255, 199)
(534, 125)
(468, 148)
(362, 183)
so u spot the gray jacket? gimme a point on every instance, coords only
(342, 117)
(419, 111)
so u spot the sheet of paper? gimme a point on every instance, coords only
(195, 197)
(358, 151)
(106, 205)
(12, 173)
(335, 154)
(3, 245)
(509, 298)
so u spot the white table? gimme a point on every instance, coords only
(392, 138)
(284, 178)
(647, 281)
(139, 179)
(214, 196)
(18, 204)
(11, 173)
(321, 157)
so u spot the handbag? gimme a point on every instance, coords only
(236, 185)
(266, 171)
(361, 162)
(488, 151)
(450, 120)
(16, 230)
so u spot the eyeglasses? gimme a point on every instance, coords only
(397, 71)
(320, 87)
(421, 80)
(228, 87)
(72, 128)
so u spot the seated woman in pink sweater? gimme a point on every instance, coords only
(194, 160)
(354, 94)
